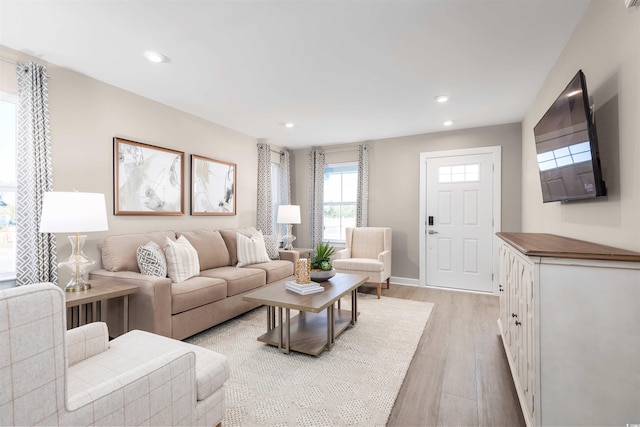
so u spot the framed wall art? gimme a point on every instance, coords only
(147, 180)
(213, 186)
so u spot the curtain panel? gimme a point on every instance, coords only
(285, 184)
(35, 251)
(316, 195)
(264, 214)
(362, 201)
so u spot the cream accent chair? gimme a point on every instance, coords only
(368, 253)
(50, 376)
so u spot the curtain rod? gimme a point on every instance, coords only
(8, 61)
(342, 150)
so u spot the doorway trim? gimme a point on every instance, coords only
(496, 151)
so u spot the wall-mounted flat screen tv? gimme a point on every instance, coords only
(567, 147)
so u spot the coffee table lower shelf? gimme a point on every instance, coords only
(308, 331)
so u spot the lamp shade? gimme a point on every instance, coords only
(288, 214)
(73, 212)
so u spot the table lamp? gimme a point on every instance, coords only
(74, 212)
(289, 214)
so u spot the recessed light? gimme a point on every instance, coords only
(289, 125)
(155, 57)
(447, 123)
(442, 98)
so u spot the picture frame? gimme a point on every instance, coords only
(213, 186)
(147, 180)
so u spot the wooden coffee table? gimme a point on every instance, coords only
(318, 322)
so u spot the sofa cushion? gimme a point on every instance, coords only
(251, 249)
(212, 251)
(119, 251)
(276, 269)
(238, 279)
(367, 242)
(151, 260)
(359, 264)
(182, 259)
(195, 292)
(229, 236)
(138, 347)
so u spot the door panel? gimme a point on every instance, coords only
(460, 242)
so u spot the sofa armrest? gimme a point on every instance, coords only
(342, 254)
(149, 308)
(173, 373)
(86, 341)
(385, 258)
(292, 256)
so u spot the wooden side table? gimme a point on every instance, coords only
(304, 252)
(86, 306)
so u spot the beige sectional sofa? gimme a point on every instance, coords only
(179, 310)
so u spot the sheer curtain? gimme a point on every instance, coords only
(285, 183)
(362, 202)
(264, 214)
(316, 195)
(35, 251)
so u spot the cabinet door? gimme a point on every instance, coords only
(503, 286)
(526, 326)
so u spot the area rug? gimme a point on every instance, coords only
(356, 383)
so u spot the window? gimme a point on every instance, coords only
(459, 173)
(7, 187)
(340, 195)
(275, 196)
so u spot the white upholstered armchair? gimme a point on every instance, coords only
(50, 376)
(368, 252)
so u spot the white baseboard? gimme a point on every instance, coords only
(405, 281)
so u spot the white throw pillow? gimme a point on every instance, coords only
(251, 249)
(151, 260)
(182, 259)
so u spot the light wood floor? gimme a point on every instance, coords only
(459, 375)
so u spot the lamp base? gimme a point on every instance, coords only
(77, 287)
(288, 239)
(78, 264)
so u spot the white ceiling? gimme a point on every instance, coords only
(343, 71)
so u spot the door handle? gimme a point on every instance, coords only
(433, 232)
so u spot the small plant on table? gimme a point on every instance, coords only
(322, 259)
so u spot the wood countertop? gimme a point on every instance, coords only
(551, 245)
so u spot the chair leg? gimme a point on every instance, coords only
(388, 282)
(379, 290)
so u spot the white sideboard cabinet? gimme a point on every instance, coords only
(570, 324)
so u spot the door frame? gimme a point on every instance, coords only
(496, 151)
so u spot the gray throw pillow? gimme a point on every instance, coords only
(271, 245)
(151, 260)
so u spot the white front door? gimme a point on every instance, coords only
(459, 222)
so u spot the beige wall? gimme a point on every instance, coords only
(85, 116)
(606, 46)
(394, 168)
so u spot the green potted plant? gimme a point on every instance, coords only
(321, 268)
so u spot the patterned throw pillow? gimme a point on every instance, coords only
(271, 245)
(151, 260)
(182, 259)
(251, 249)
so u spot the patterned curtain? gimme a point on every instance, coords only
(316, 195)
(264, 216)
(285, 183)
(35, 251)
(362, 203)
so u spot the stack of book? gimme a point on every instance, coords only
(309, 288)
